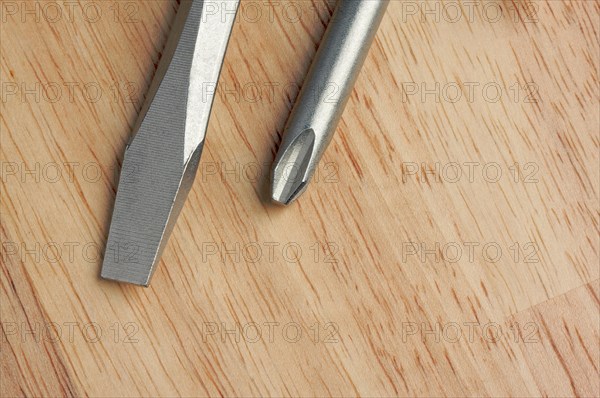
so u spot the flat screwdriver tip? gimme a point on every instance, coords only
(109, 274)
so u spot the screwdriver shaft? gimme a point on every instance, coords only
(324, 95)
(162, 158)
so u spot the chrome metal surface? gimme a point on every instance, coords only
(324, 95)
(162, 158)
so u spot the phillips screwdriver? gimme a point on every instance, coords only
(324, 95)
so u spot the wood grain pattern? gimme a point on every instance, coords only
(392, 276)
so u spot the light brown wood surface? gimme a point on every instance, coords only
(391, 276)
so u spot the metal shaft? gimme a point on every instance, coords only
(324, 94)
(162, 158)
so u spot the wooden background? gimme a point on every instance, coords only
(392, 276)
